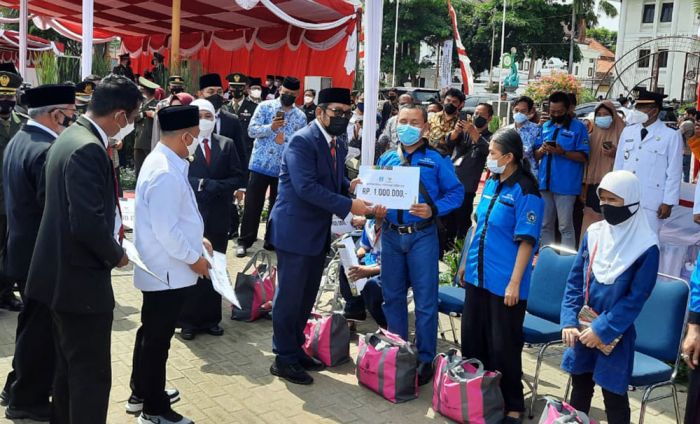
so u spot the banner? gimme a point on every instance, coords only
(446, 65)
(467, 78)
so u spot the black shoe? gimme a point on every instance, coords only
(11, 302)
(294, 373)
(425, 373)
(4, 398)
(267, 246)
(42, 414)
(241, 251)
(187, 334)
(216, 331)
(311, 364)
(355, 316)
(511, 420)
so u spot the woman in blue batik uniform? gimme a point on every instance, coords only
(624, 253)
(498, 267)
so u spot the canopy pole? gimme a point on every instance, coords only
(373, 50)
(175, 38)
(503, 43)
(86, 56)
(23, 31)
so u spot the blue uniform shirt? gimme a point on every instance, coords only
(508, 213)
(694, 315)
(557, 173)
(437, 175)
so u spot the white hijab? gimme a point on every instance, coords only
(620, 245)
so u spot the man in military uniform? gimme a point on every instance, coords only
(244, 108)
(10, 124)
(83, 94)
(124, 67)
(159, 70)
(144, 122)
(653, 152)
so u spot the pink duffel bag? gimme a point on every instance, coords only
(558, 412)
(464, 392)
(327, 339)
(386, 364)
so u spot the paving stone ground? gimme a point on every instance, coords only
(226, 379)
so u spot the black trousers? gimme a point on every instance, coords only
(235, 219)
(692, 407)
(459, 221)
(617, 407)
(6, 284)
(139, 157)
(201, 309)
(83, 367)
(29, 383)
(159, 314)
(254, 202)
(493, 333)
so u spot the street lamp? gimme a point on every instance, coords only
(396, 45)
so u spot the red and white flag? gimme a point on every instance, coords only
(464, 62)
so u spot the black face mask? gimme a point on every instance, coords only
(237, 94)
(67, 120)
(338, 125)
(81, 109)
(450, 109)
(615, 215)
(287, 99)
(216, 100)
(480, 122)
(177, 90)
(6, 106)
(559, 119)
(392, 97)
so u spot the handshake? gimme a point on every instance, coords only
(361, 207)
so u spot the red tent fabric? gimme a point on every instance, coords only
(256, 37)
(9, 47)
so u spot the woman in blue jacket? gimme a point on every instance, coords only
(498, 267)
(691, 349)
(611, 279)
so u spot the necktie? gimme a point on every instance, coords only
(207, 151)
(116, 194)
(644, 133)
(236, 106)
(333, 146)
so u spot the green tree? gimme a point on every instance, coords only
(587, 15)
(604, 36)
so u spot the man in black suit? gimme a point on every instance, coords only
(51, 110)
(77, 246)
(215, 173)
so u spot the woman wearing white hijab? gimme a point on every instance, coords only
(610, 281)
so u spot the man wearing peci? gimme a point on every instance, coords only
(51, 110)
(312, 187)
(77, 246)
(214, 174)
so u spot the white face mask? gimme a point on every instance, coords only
(206, 127)
(255, 93)
(192, 148)
(123, 132)
(519, 118)
(308, 100)
(492, 165)
(636, 117)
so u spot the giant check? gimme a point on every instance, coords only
(395, 187)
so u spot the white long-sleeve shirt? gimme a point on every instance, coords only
(168, 229)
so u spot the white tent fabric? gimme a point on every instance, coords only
(373, 44)
(249, 4)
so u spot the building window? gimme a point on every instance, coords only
(590, 72)
(662, 57)
(648, 14)
(526, 64)
(659, 90)
(667, 12)
(591, 61)
(644, 55)
(576, 71)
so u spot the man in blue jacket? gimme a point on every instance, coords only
(410, 244)
(690, 351)
(312, 187)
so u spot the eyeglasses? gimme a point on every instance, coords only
(341, 113)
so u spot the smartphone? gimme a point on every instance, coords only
(551, 143)
(463, 115)
(279, 115)
(607, 145)
(545, 106)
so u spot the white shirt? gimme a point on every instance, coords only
(168, 229)
(43, 127)
(117, 212)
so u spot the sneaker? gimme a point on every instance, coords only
(241, 251)
(41, 414)
(4, 398)
(170, 417)
(135, 404)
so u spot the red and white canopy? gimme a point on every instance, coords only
(9, 40)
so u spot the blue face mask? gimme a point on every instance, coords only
(519, 118)
(603, 122)
(408, 134)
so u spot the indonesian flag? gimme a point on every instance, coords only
(464, 62)
(362, 38)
